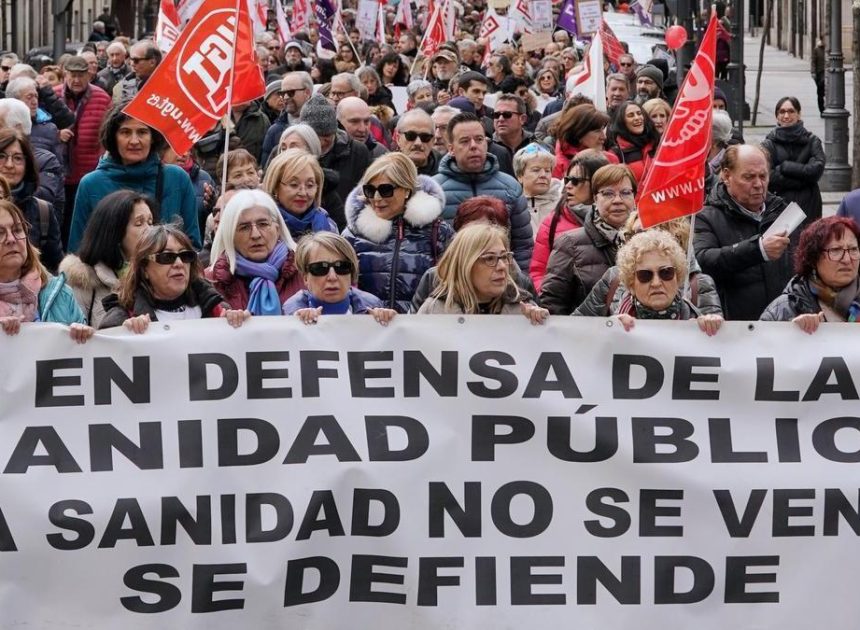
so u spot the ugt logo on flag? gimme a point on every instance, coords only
(203, 71)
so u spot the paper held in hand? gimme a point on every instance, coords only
(787, 221)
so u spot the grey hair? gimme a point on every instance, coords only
(354, 84)
(417, 85)
(306, 133)
(14, 114)
(721, 126)
(117, 46)
(22, 70)
(446, 109)
(414, 113)
(369, 71)
(307, 81)
(98, 23)
(18, 85)
(11, 56)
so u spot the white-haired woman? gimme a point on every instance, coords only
(254, 255)
(533, 166)
(721, 133)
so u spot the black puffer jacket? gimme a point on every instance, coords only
(50, 244)
(726, 242)
(349, 159)
(796, 299)
(202, 294)
(797, 163)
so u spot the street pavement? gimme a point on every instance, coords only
(785, 75)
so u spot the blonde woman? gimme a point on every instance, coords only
(660, 111)
(475, 277)
(295, 180)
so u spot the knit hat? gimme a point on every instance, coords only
(719, 95)
(651, 72)
(462, 103)
(320, 115)
(274, 86)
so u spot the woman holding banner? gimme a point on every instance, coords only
(826, 287)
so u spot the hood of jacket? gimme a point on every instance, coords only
(448, 166)
(794, 134)
(422, 208)
(80, 274)
(720, 198)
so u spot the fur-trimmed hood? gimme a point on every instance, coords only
(82, 276)
(422, 208)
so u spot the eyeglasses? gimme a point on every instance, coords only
(168, 258)
(320, 269)
(505, 115)
(625, 63)
(340, 94)
(6, 68)
(411, 136)
(492, 260)
(838, 253)
(247, 228)
(385, 191)
(664, 273)
(17, 158)
(18, 232)
(609, 195)
(786, 112)
(572, 180)
(290, 93)
(138, 59)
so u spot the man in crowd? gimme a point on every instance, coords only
(627, 67)
(116, 69)
(445, 66)
(415, 136)
(294, 59)
(442, 115)
(296, 88)
(617, 91)
(508, 120)
(649, 83)
(92, 68)
(354, 116)
(343, 85)
(145, 57)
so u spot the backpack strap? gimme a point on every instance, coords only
(434, 236)
(610, 295)
(44, 221)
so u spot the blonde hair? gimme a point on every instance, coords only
(646, 242)
(455, 268)
(326, 240)
(678, 228)
(288, 164)
(397, 167)
(652, 105)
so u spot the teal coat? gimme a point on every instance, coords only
(57, 303)
(177, 196)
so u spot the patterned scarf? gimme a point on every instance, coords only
(845, 302)
(631, 306)
(21, 297)
(264, 298)
(609, 233)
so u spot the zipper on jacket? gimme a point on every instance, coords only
(394, 260)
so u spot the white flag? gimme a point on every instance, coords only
(591, 81)
(187, 9)
(404, 14)
(167, 27)
(283, 25)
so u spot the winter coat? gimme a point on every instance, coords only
(57, 303)
(564, 154)
(459, 186)
(349, 159)
(726, 242)
(251, 129)
(430, 280)
(235, 288)
(431, 168)
(437, 306)
(46, 136)
(541, 206)
(91, 284)
(850, 206)
(111, 77)
(199, 180)
(359, 301)
(565, 221)
(796, 299)
(84, 149)
(177, 196)
(638, 160)
(54, 106)
(273, 137)
(578, 260)
(204, 295)
(376, 149)
(797, 163)
(382, 96)
(331, 199)
(51, 246)
(51, 181)
(394, 254)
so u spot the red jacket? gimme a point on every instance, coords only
(564, 154)
(84, 149)
(638, 161)
(565, 222)
(235, 289)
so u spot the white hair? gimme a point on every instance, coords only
(14, 114)
(18, 85)
(306, 133)
(117, 46)
(225, 237)
(22, 70)
(721, 126)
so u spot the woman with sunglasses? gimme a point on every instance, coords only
(394, 224)
(164, 282)
(826, 287)
(253, 250)
(579, 128)
(581, 257)
(475, 277)
(651, 267)
(329, 268)
(570, 212)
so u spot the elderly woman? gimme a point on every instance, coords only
(826, 287)
(651, 267)
(377, 94)
(579, 128)
(659, 111)
(475, 277)
(533, 169)
(633, 138)
(295, 180)
(28, 293)
(164, 283)
(329, 267)
(132, 162)
(395, 226)
(418, 91)
(253, 253)
(581, 257)
(721, 134)
(117, 224)
(242, 169)
(44, 134)
(19, 168)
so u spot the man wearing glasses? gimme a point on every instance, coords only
(145, 57)
(6, 62)
(117, 68)
(296, 89)
(627, 67)
(415, 140)
(508, 120)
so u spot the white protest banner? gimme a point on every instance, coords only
(441, 472)
(589, 14)
(365, 19)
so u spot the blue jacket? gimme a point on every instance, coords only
(177, 196)
(360, 301)
(459, 186)
(57, 303)
(394, 254)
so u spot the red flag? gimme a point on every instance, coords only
(435, 34)
(188, 92)
(612, 48)
(675, 185)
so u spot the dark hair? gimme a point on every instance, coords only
(482, 207)
(790, 99)
(504, 62)
(814, 239)
(618, 128)
(102, 239)
(510, 84)
(578, 121)
(459, 119)
(513, 98)
(465, 79)
(401, 77)
(9, 136)
(112, 122)
(590, 161)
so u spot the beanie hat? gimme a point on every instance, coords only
(271, 88)
(661, 64)
(462, 103)
(651, 72)
(320, 115)
(719, 95)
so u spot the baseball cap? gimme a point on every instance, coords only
(447, 55)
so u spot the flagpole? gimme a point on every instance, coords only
(229, 119)
(349, 41)
(691, 255)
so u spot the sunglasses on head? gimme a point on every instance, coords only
(505, 115)
(664, 273)
(385, 190)
(412, 135)
(168, 258)
(320, 269)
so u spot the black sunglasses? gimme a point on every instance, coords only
(5, 68)
(505, 115)
(385, 190)
(320, 269)
(290, 93)
(574, 181)
(168, 258)
(412, 135)
(646, 275)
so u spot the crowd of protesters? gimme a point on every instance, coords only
(494, 189)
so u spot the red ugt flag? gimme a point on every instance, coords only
(188, 92)
(675, 185)
(612, 48)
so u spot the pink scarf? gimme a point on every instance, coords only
(21, 297)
